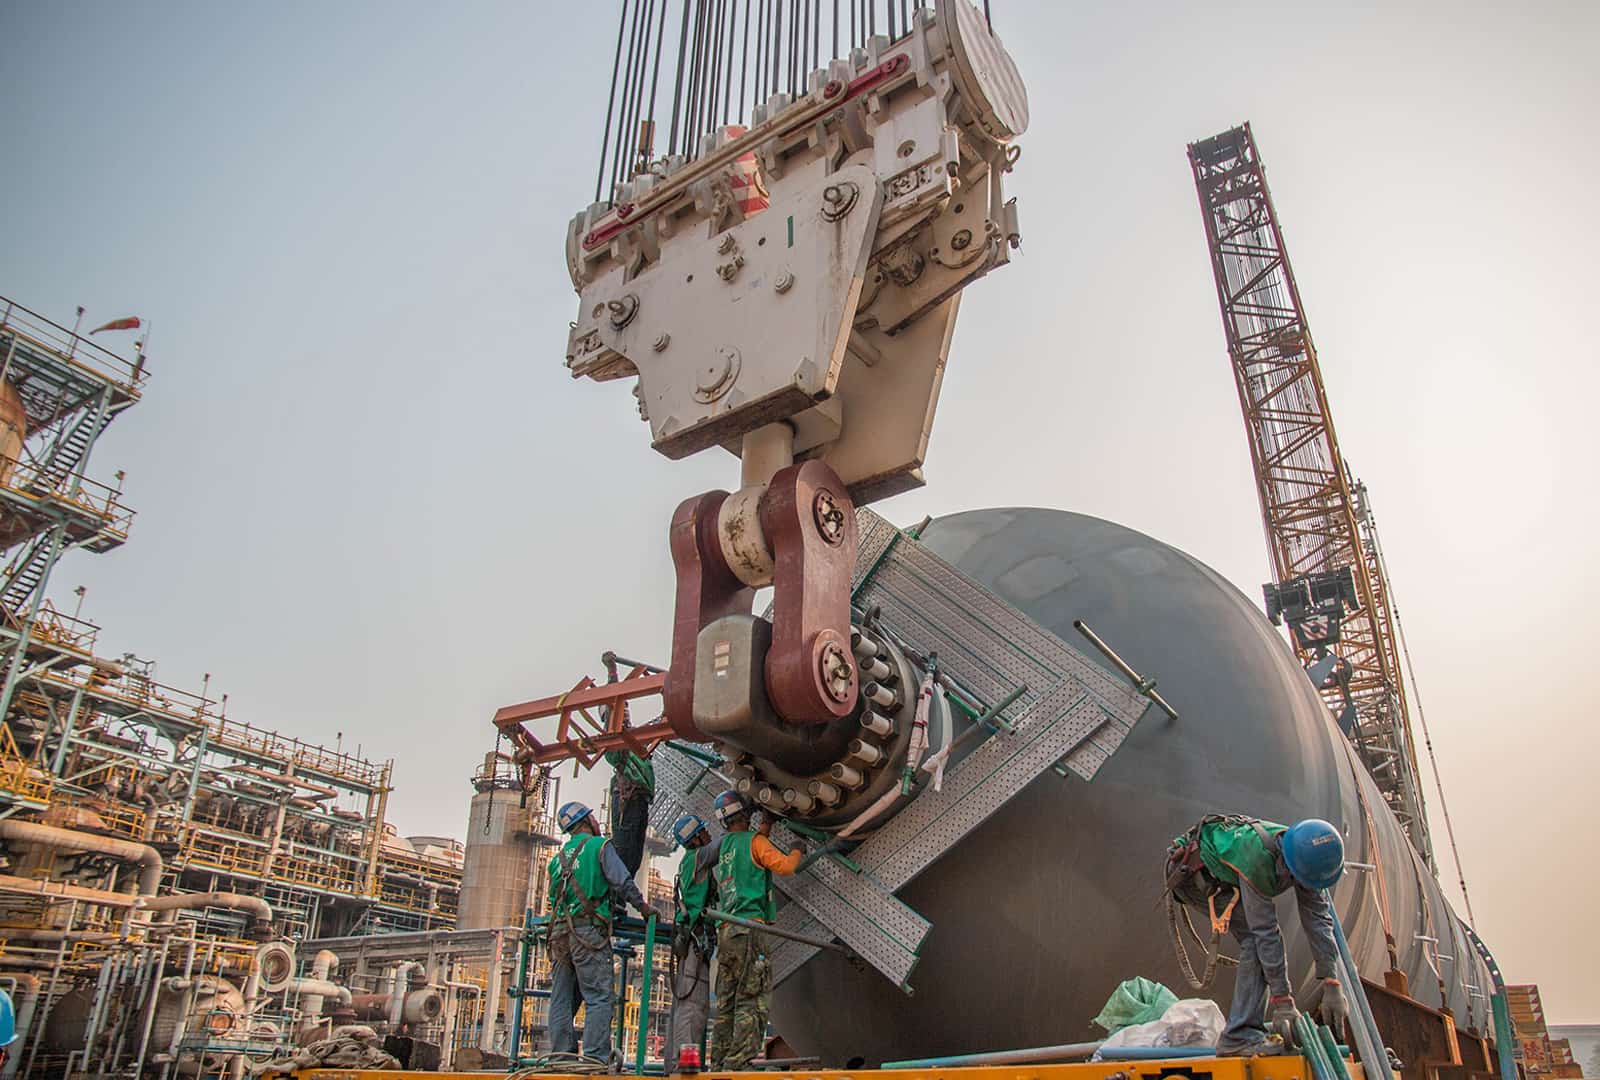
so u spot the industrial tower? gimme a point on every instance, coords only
(1328, 581)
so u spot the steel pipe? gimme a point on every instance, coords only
(147, 858)
(316, 990)
(1028, 1056)
(176, 902)
(322, 966)
(400, 987)
(768, 928)
(62, 890)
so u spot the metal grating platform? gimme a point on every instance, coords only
(1073, 712)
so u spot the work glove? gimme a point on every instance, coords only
(1281, 1015)
(1333, 1010)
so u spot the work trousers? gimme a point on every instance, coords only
(580, 962)
(691, 1002)
(744, 993)
(630, 817)
(1263, 968)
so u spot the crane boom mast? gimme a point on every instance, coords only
(1315, 523)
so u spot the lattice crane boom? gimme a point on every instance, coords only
(1316, 526)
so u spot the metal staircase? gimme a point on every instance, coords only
(70, 450)
(26, 571)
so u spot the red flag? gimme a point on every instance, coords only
(130, 323)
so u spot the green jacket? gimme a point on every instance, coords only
(635, 768)
(583, 893)
(1242, 847)
(693, 896)
(743, 888)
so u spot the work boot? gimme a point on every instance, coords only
(1271, 1046)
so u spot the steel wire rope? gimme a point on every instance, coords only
(713, 67)
(611, 101)
(744, 65)
(794, 43)
(624, 136)
(777, 46)
(1427, 737)
(619, 154)
(816, 37)
(655, 76)
(757, 85)
(727, 90)
(691, 106)
(677, 84)
(803, 49)
(628, 152)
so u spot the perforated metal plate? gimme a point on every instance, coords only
(858, 909)
(831, 900)
(683, 786)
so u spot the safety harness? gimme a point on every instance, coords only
(698, 934)
(1190, 882)
(568, 885)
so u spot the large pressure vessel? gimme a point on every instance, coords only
(1041, 911)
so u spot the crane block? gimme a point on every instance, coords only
(808, 268)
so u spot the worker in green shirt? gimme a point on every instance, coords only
(1234, 867)
(694, 936)
(584, 876)
(633, 788)
(746, 861)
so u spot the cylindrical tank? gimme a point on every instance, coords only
(497, 865)
(1042, 910)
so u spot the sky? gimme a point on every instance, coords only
(374, 507)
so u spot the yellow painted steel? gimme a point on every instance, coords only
(1261, 1068)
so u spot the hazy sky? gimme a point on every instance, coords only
(371, 501)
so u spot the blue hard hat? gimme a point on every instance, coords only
(1313, 851)
(570, 814)
(686, 828)
(8, 1020)
(729, 805)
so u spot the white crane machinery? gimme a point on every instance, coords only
(789, 294)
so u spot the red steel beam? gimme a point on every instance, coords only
(580, 736)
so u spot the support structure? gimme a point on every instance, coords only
(1308, 501)
(58, 392)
